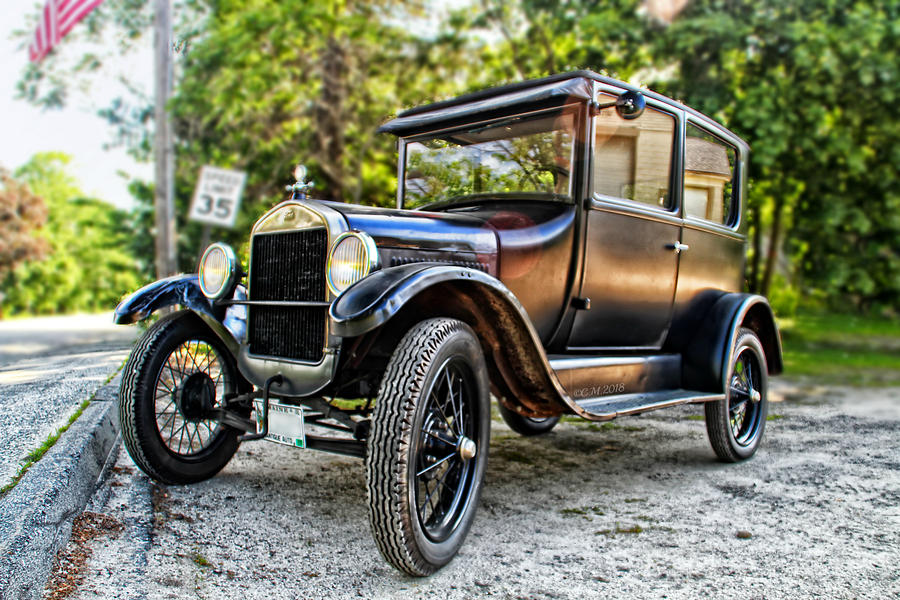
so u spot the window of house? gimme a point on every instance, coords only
(633, 158)
(708, 177)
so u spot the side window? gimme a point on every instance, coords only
(708, 177)
(633, 159)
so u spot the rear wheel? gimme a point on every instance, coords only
(177, 373)
(526, 425)
(428, 447)
(736, 424)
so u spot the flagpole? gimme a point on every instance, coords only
(164, 147)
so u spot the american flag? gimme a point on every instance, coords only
(57, 18)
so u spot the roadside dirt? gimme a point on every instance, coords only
(638, 508)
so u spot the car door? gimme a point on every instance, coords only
(714, 172)
(633, 232)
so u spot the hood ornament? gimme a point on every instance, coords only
(301, 186)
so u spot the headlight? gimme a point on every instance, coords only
(217, 272)
(353, 256)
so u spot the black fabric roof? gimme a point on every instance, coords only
(553, 90)
(488, 103)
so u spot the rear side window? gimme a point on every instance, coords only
(633, 158)
(708, 177)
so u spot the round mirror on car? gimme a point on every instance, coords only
(630, 105)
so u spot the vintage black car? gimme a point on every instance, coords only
(569, 246)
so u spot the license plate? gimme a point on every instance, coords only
(285, 423)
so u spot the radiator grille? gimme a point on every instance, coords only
(287, 332)
(288, 266)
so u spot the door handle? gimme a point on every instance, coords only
(678, 247)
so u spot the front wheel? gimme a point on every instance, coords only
(178, 372)
(736, 423)
(427, 451)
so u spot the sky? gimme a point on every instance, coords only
(76, 129)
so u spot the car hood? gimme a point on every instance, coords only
(429, 232)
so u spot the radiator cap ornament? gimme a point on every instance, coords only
(301, 186)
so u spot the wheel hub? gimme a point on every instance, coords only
(466, 448)
(196, 396)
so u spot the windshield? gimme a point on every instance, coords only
(516, 155)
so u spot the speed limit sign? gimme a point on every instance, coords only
(217, 197)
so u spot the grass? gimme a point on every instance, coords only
(634, 529)
(842, 349)
(582, 511)
(200, 560)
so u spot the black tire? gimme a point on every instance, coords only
(416, 451)
(736, 424)
(526, 426)
(164, 395)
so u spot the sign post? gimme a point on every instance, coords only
(164, 146)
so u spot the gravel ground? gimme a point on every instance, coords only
(638, 508)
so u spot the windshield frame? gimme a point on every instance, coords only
(575, 109)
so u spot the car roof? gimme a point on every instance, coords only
(561, 88)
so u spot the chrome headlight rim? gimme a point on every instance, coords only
(230, 270)
(370, 263)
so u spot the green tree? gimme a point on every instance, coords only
(88, 266)
(813, 87)
(543, 37)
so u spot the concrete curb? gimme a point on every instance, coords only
(38, 513)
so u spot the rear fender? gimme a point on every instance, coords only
(184, 290)
(708, 354)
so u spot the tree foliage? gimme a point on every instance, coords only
(813, 87)
(88, 265)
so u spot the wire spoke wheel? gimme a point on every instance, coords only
(743, 403)
(736, 423)
(443, 471)
(191, 383)
(427, 451)
(178, 374)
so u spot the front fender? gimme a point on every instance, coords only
(371, 302)
(524, 378)
(181, 290)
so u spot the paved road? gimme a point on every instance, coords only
(48, 367)
(638, 508)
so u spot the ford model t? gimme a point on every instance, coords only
(567, 246)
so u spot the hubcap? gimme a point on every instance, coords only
(195, 396)
(466, 448)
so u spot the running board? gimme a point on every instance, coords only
(586, 377)
(605, 387)
(609, 407)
